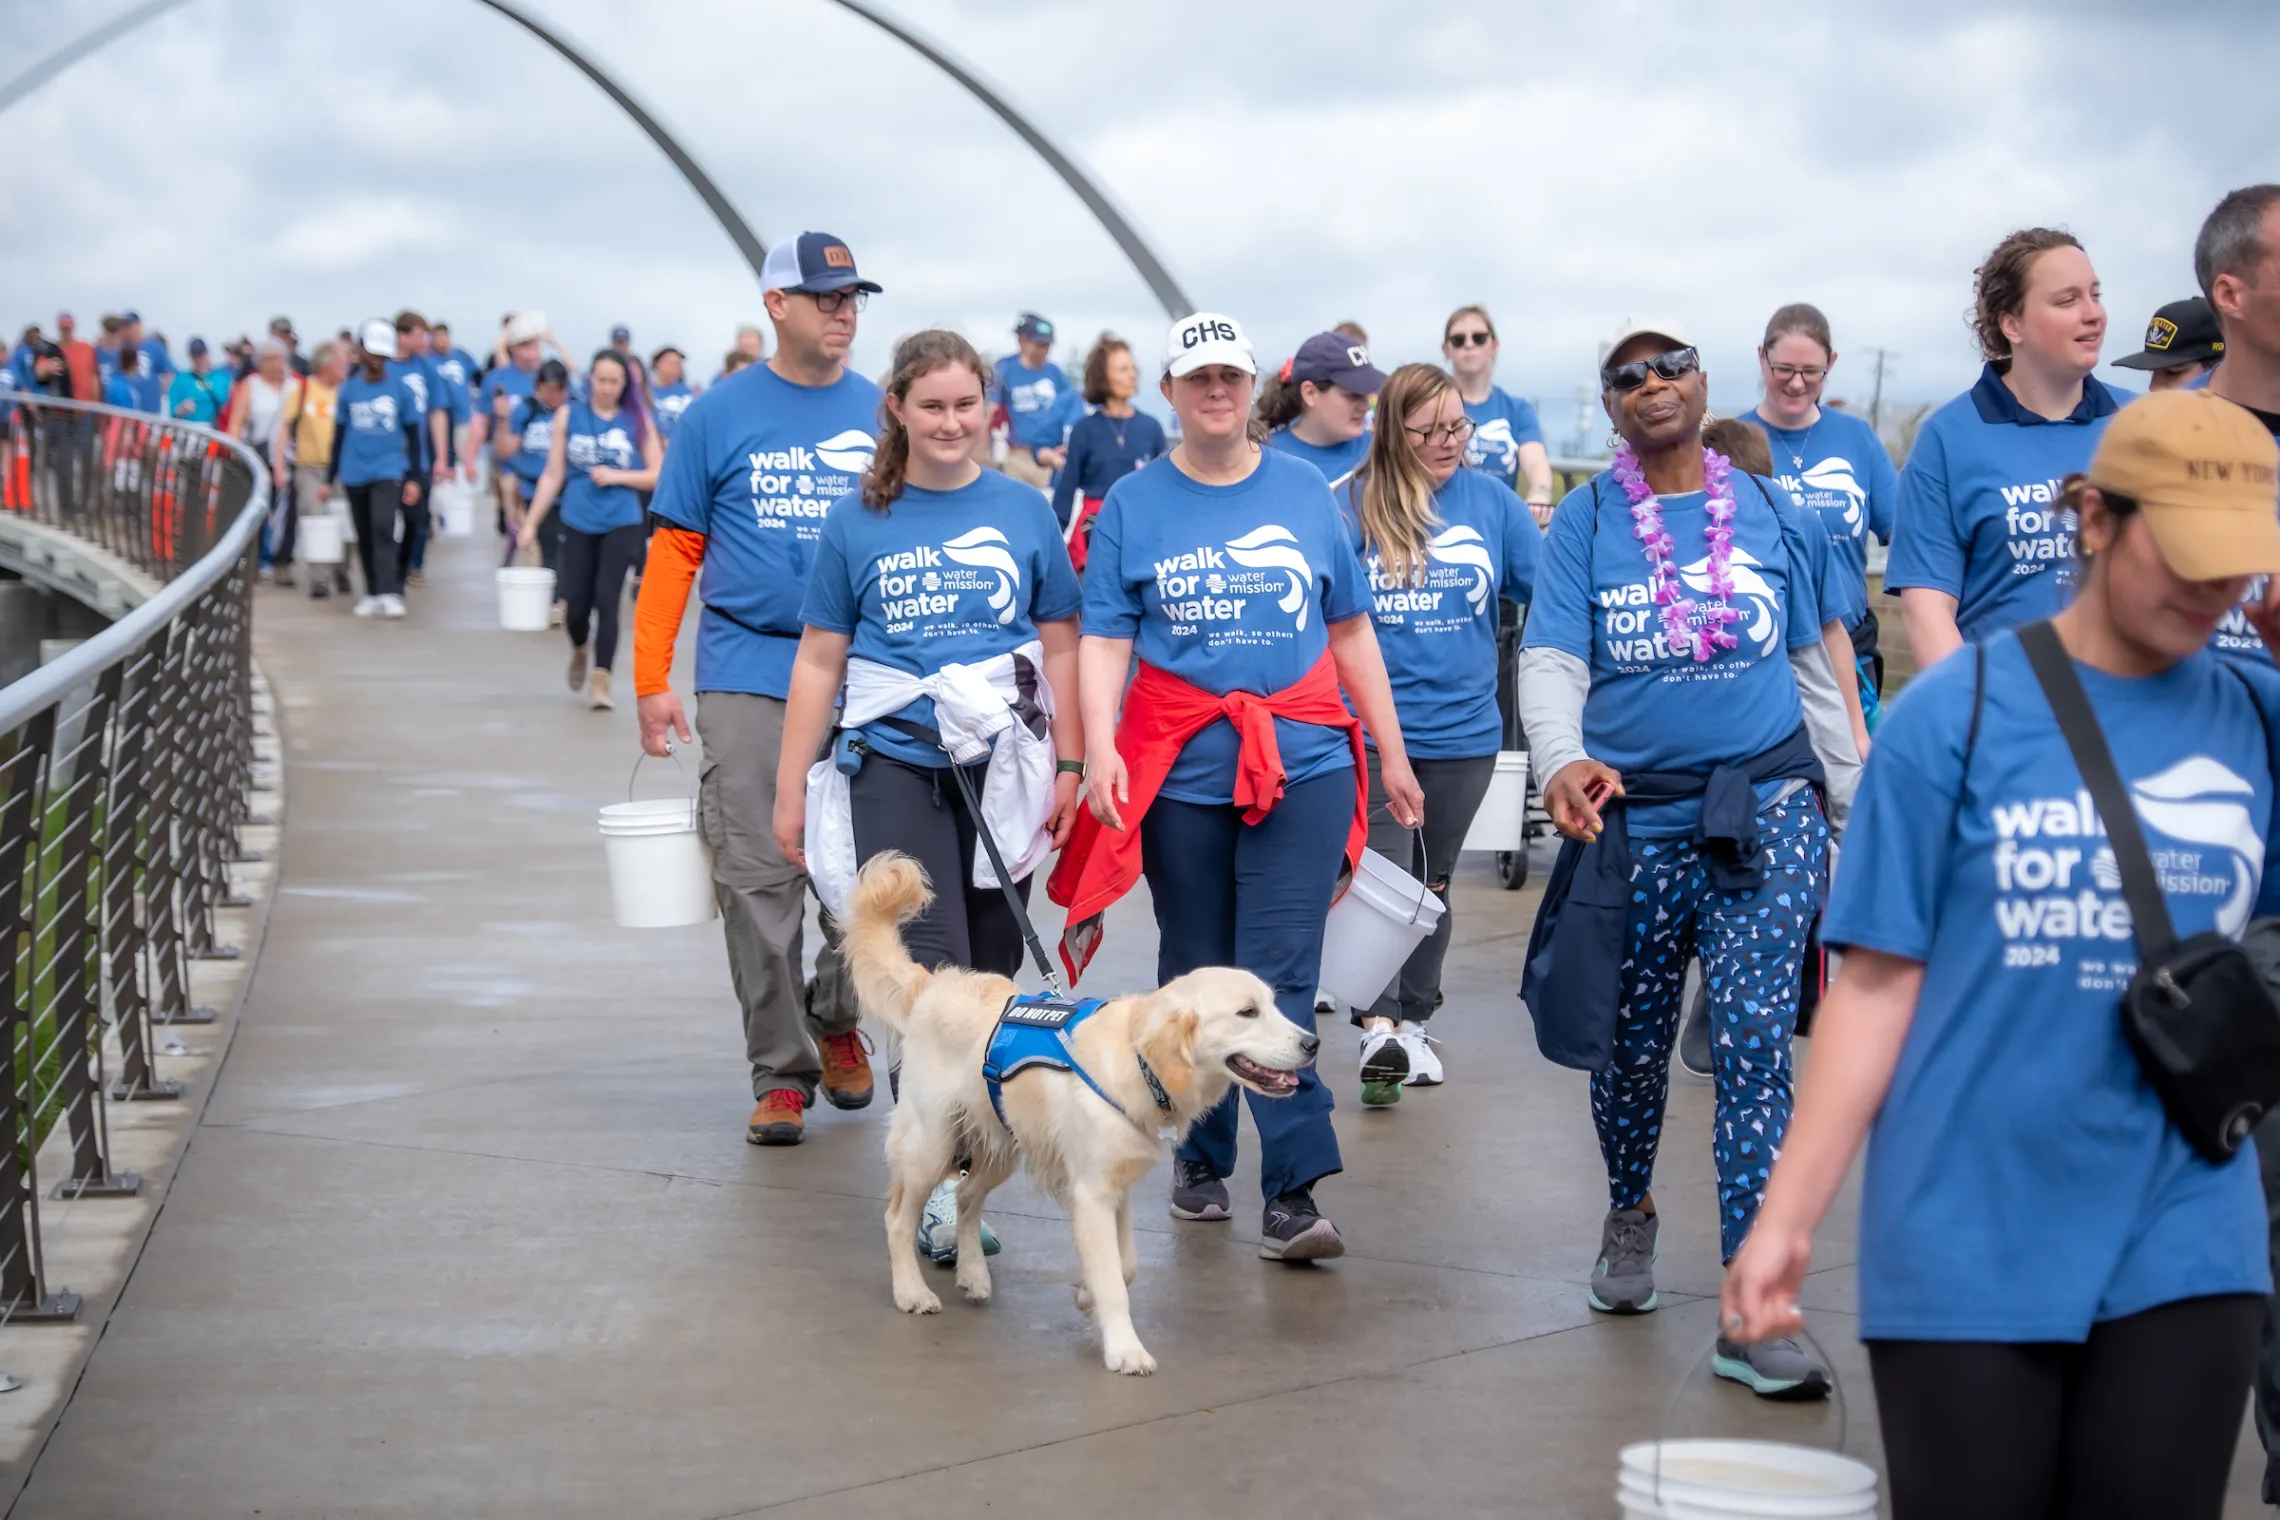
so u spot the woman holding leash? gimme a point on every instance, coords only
(1675, 624)
(1234, 778)
(1440, 545)
(942, 604)
(602, 456)
(2060, 1293)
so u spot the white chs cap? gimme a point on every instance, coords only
(1635, 326)
(1207, 338)
(526, 326)
(379, 337)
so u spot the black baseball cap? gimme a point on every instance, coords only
(1033, 327)
(813, 262)
(2183, 332)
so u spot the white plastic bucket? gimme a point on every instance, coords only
(525, 597)
(660, 870)
(455, 504)
(1502, 821)
(1385, 914)
(320, 539)
(1744, 1480)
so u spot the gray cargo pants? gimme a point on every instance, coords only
(763, 898)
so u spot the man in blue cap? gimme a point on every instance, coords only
(1040, 404)
(200, 394)
(756, 463)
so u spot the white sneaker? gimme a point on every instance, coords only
(391, 606)
(367, 606)
(1424, 1066)
(1385, 1065)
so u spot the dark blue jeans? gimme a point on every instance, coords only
(1231, 894)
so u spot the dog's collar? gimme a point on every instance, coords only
(1155, 1085)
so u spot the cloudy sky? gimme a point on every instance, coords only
(1294, 165)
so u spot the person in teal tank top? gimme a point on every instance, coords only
(602, 459)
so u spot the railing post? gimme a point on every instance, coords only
(127, 872)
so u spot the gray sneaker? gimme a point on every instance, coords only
(1775, 1369)
(1623, 1280)
(1199, 1193)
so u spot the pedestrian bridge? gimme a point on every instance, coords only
(466, 1224)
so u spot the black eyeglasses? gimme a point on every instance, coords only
(1670, 366)
(1472, 339)
(1811, 374)
(1455, 432)
(829, 301)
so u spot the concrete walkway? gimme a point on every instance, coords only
(470, 1227)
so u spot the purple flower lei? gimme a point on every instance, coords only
(1689, 626)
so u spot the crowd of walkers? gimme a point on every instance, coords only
(995, 620)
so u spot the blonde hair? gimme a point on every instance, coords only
(1393, 490)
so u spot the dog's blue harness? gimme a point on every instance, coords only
(1033, 1031)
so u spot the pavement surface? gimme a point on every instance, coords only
(470, 1228)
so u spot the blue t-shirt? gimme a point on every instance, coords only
(756, 466)
(456, 371)
(429, 394)
(1439, 636)
(667, 403)
(2023, 1181)
(505, 380)
(1652, 708)
(1229, 588)
(119, 390)
(596, 440)
(534, 425)
(1336, 462)
(939, 578)
(193, 397)
(1841, 470)
(1979, 516)
(1102, 451)
(1033, 402)
(1501, 423)
(374, 415)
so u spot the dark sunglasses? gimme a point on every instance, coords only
(1670, 366)
(1471, 339)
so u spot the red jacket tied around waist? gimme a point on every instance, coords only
(1161, 714)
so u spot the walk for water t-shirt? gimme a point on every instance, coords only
(534, 425)
(1335, 462)
(2236, 637)
(373, 417)
(1438, 635)
(1652, 708)
(670, 401)
(756, 466)
(939, 578)
(2023, 1181)
(428, 394)
(456, 370)
(1979, 512)
(505, 380)
(1501, 423)
(1229, 588)
(1841, 470)
(1034, 402)
(594, 440)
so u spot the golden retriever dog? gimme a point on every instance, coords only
(1200, 1035)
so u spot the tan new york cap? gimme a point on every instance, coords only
(2205, 473)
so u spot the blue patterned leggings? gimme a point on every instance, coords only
(1752, 948)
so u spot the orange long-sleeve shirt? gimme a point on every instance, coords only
(675, 557)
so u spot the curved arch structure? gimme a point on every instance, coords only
(1135, 248)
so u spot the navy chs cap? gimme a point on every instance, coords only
(1334, 359)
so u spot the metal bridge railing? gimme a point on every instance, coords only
(124, 770)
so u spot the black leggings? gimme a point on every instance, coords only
(919, 811)
(2138, 1421)
(373, 507)
(593, 576)
(1453, 792)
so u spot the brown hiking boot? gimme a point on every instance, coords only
(846, 1069)
(780, 1119)
(598, 691)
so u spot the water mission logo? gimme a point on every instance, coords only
(2198, 801)
(1836, 475)
(984, 548)
(1276, 548)
(1465, 548)
(849, 451)
(1752, 592)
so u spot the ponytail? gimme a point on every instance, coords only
(1279, 403)
(916, 357)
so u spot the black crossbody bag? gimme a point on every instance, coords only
(2201, 1012)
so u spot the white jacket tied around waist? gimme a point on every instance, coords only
(975, 712)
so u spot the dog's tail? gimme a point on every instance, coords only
(890, 892)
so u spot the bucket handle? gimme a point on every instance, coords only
(673, 755)
(1417, 854)
(1662, 1425)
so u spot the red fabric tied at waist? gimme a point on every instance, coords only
(1161, 714)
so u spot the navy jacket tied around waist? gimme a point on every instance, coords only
(1573, 983)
